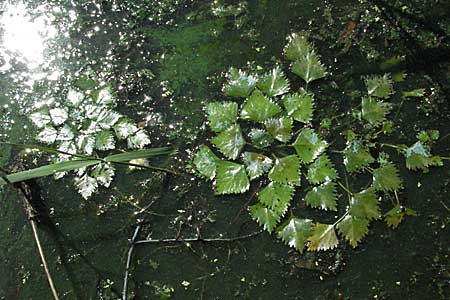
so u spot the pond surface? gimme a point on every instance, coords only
(165, 60)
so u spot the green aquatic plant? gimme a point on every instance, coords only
(87, 122)
(270, 138)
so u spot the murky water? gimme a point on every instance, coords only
(166, 59)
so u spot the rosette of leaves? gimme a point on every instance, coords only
(84, 123)
(270, 138)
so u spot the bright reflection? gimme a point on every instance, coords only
(24, 35)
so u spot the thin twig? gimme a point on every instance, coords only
(127, 268)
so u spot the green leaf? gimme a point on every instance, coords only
(221, 115)
(414, 93)
(205, 162)
(138, 140)
(231, 178)
(104, 140)
(260, 138)
(321, 170)
(40, 118)
(86, 186)
(386, 178)
(265, 217)
(143, 153)
(374, 111)
(230, 142)
(323, 196)
(299, 106)
(239, 83)
(395, 216)
(356, 157)
(258, 108)
(296, 232)
(277, 197)
(257, 164)
(365, 205)
(274, 83)
(280, 128)
(297, 47)
(309, 67)
(323, 237)
(353, 229)
(418, 161)
(286, 170)
(379, 86)
(309, 145)
(124, 128)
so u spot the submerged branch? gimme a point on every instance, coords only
(127, 267)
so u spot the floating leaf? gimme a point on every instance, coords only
(356, 157)
(296, 232)
(265, 217)
(286, 170)
(257, 164)
(386, 178)
(309, 145)
(231, 178)
(258, 108)
(221, 115)
(205, 162)
(103, 173)
(274, 83)
(138, 140)
(280, 128)
(104, 140)
(124, 128)
(379, 86)
(230, 142)
(86, 186)
(322, 196)
(48, 135)
(353, 229)
(297, 47)
(323, 238)
(365, 205)
(58, 115)
(374, 111)
(40, 118)
(395, 216)
(260, 138)
(321, 170)
(299, 106)
(277, 197)
(239, 83)
(309, 67)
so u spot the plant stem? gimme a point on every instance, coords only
(345, 188)
(341, 218)
(142, 166)
(198, 239)
(127, 267)
(393, 146)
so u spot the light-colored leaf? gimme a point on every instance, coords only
(374, 111)
(74, 97)
(323, 238)
(274, 83)
(322, 196)
(265, 217)
(105, 97)
(104, 140)
(205, 162)
(138, 140)
(379, 86)
(260, 138)
(86, 186)
(386, 178)
(104, 173)
(297, 46)
(48, 135)
(309, 145)
(230, 142)
(321, 170)
(280, 128)
(40, 118)
(299, 106)
(108, 118)
(277, 197)
(86, 143)
(296, 232)
(353, 229)
(356, 156)
(124, 128)
(258, 108)
(256, 164)
(221, 115)
(396, 215)
(231, 178)
(58, 115)
(65, 133)
(239, 83)
(286, 170)
(309, 67)
(418, 157)
(365, 204)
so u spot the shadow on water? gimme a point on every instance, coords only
(167, 59)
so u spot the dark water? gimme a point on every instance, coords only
(168, 58)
